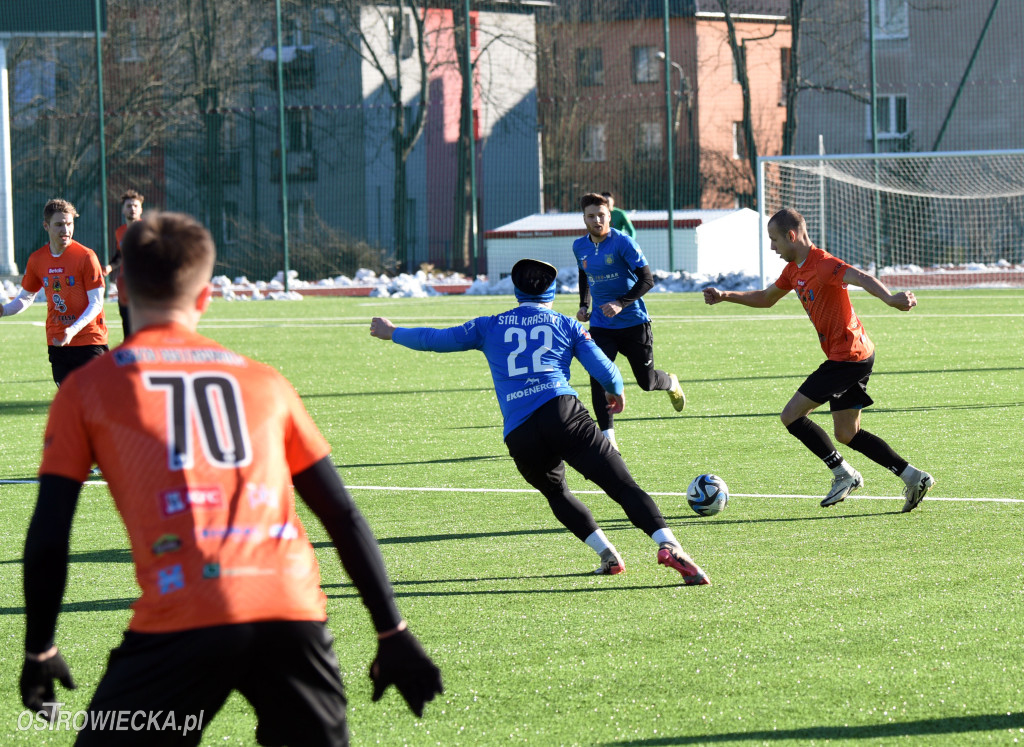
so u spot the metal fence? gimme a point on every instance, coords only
(329, 135)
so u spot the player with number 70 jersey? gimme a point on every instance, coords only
(218, 425)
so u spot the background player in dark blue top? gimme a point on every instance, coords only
(529, 350)
(615, 273)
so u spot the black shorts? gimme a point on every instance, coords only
(843, 384)
(636, 343)
(64, 360)
(287, 670)
(562, 429)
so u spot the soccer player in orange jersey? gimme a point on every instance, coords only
(820, 281)
(131, 210)
(200, 447)
(70, 275)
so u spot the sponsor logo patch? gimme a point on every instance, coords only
(170, 579)
(167, 543)
(181, 499)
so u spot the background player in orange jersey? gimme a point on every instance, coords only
(200, 447)
(70, 274)
(820, 281)
(131, 210)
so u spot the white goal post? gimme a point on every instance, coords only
(936, 220)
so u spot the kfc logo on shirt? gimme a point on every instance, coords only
(176, 501)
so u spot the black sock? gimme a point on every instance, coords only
(878, 451)
(813, 436)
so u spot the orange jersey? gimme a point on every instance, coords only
(198, 445)
(819, 285)
(119, 234)
(67, 280)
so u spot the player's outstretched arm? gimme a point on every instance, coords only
(904, 300)
(758, 299)
(21, 302)
(400, 659)
(44, 578)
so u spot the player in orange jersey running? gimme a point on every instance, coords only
(131, 210)
(200, 447)
(820, 281)
(70, 275)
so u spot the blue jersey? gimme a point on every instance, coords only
(611, 268)
(529, 350)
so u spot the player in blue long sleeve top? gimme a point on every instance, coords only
(615, 273)
(529, 350)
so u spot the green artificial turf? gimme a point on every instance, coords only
(852, 625)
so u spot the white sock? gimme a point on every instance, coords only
(664, 535)
(842, 469)
(609, 434)
(910, 475)
(598, 542)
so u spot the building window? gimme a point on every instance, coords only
(742, 52)
(649, 141)
(589, 67)
(299, 126)
(645, 65)
(293, 32)
(131, 52)
(593, 146)
(890, 117)
(230, 222)
(300, 218)
(785, 63)
(739, 141)
(892, 19)
(400, 31)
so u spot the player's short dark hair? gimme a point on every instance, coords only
(592, 198)
(58, 205)
(131, 194)
(165, 255)
(787, 220)
(532, 276)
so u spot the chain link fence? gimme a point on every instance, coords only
(340, 134)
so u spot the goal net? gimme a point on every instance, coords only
(913, 219)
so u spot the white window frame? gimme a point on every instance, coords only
(132, 53)
(593, 143)
(591, 74)
(892, 19)
(890, 132)
(645, 65)
(650, 141)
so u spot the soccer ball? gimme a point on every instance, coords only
(707, 494)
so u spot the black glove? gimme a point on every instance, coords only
(402, 662)
(37, 682)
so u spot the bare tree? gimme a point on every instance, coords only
(385, 37)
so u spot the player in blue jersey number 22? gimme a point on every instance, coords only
(529, 350)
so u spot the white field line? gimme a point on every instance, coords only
(420, 321)
(397, 489)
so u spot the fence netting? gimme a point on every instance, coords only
(353, 140)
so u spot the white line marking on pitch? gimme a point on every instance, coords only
(394, 488)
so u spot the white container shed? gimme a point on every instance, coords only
(707, 242)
